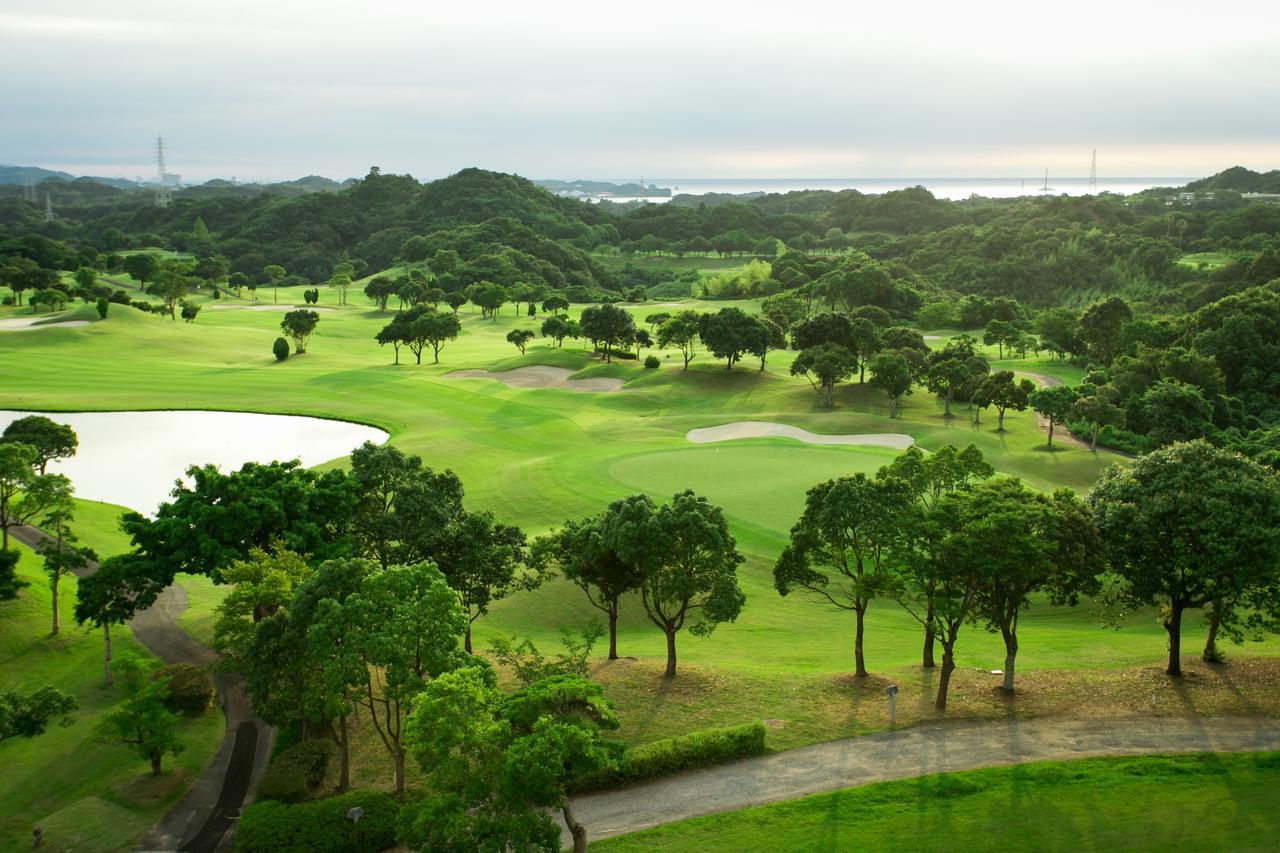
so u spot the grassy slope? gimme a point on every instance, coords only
(84, 795)
(1209, 802)
(537, 457)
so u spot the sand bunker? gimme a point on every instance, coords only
(765, 429)
(268, 307)
(933, 337)
(541, 376)
(28, 324)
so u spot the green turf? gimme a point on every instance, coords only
(536, 457)
(86, 796)
(1196, 802)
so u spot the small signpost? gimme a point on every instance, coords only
(355, 814)
(892, 692)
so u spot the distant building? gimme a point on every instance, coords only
(1264, 198)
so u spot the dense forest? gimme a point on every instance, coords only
(1170, 297)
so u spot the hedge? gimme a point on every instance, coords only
(686, 752)
(296, 772)
(322, 826)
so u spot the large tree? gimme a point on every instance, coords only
(607, 326)
(122, 586)
(402, 507)
(839, 549)
(681, 332)
(729, 333)
(142, 721)
(483, 561)
(1002, 392)
(824, 365)
(892, 373)
(299, 325)
(1100, 327)
(689, 561)
(1188, 526)
(1053, 404)
(50, 440)
(28, 715)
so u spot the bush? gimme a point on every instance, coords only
(296, 772)
(119, 297)
(280, 349)
(652, 361)
(625, 355)
(322, 826)
(190, 688)
(102, 305)
(686, 752)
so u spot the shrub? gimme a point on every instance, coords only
(190, 688)
(652, 361)
(686, 752)
(296, 772)
(322, 826)
(280, 349)
(625, 355)
(119, 297)
(102, 305)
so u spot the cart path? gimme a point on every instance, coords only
(929, 748)
(197, 822)
(1061, 435)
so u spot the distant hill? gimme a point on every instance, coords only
(30, 175)
(1240, 179)
(603, 189)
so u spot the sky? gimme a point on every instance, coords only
(276, 89)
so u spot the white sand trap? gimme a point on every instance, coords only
(28, 324)
(269, 308)
(933, 337)
(541, 376)
(765, 429)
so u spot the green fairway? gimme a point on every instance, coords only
(1195, 802)
(85, 796)
(536, 457)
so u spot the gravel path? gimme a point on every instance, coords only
(918, 751)
(199, 821)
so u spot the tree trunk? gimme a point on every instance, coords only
(1174, 627)
(344, 756)
(977, 415)
(944, 680)
(577, 830)
(156, 758)
(106, 653)
(860, 665)
(1093, 438)
(399, 756)
(927, 659)
(1211, 642)
(999, 420)
(1050, 433)
(613, 630)
(1010, 655)
(671, 654)
(53, 586)
(466, 643)
(946, 412)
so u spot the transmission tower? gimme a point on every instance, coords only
(29, 190)
(48, 208)
(163, 196)
(1093, 174)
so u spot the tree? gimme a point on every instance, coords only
(482, 561)
(260, 585)
(1002, 333)
(16, 462)
(768, 336)
(521, 338)
(53, 298)
(122, 586)
(53, 493)
(1053, 404)
(554, 304)
(891, 373)
(864, 341)
(273, 273)
(49, 440)
(299, 326)
(141, 268)
(681, 332)
(142, 721)
(401, 507)
(1175, 411)
(607, 326)
(190, 311)
(423, 326)
(824, 365)
(839, 548)
(404, 626)
(341, 281)
(455, 300)
(1097, 411)
(586, 554)
(946, 376)
(729, 333)
(558, 328)
(28, 715)
(1187, 526)
(490, 297)
(1058, 329)
(1100, 327)
(1003, 392)
(1048, 546)
(238, 280)
(10, 583)
(171, 285)
(86, 278)
(379, 290)
(689, 561)
(823, 329)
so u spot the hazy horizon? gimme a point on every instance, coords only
(281, 90)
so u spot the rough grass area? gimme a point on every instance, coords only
(1183, 802)
(85, 796)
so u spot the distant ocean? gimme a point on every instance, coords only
(952, 188)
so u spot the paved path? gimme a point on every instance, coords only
(924, 749)
(198, 822)
(1061, 434)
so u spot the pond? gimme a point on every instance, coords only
(133, 458)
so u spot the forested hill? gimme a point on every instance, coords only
(1239, 179)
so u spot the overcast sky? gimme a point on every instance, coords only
(547, 88)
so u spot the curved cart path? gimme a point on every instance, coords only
(1061, 434)
(918, 751)
(199, 821)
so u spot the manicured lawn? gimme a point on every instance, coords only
(86, 796)
(1195, 802)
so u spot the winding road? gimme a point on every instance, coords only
(200, 820)
(930, 748)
